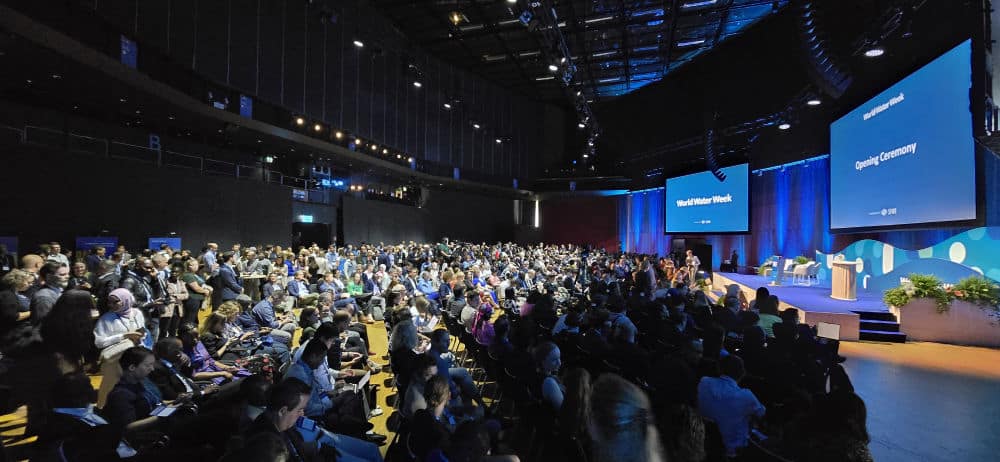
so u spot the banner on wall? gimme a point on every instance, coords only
(85, 243)
(156, 242)
(10, 242)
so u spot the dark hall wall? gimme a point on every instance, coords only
(50, 195)
(452, 214)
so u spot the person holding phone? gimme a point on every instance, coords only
(121, 328)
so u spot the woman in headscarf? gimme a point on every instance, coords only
(121, 328)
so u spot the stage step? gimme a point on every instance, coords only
(876, 316)
(883, 326)
(882, 336)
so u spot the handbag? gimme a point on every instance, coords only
(111, 353)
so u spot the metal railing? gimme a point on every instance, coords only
(108, 148)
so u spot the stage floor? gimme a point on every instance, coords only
(815, 298)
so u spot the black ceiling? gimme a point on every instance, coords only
(617, 46)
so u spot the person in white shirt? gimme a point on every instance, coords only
(117, 330)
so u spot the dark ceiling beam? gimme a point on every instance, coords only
(580, 34)
(625, 48)
(722, 22)
(506, 49)
(675, 8)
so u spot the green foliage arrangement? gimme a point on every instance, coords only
(896, 296)
(978, 290)
(801, 260)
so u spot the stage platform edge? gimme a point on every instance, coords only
(850, 323)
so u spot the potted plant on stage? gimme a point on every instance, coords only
(964, 313)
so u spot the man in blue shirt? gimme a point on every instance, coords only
(731, 407)
(299, 288)
(281, 328)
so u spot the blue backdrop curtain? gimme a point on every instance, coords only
(789, 216)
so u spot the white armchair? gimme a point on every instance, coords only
(803, 274)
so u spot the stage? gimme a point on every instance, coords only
(814, 303)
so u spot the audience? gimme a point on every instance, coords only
(519, 315)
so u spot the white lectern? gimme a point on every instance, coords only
(845, 285)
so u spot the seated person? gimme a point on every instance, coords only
(212, 335)
(266, 315)
(203, 366)
(286, 402)
(299, 288)
(463, 388)
(342, 299)
(732, 408)
(345, 414)
(74, 432)
(172, 375)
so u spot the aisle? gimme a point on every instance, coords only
(928, 402)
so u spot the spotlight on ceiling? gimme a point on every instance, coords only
(357, 142)
(416, 83)
(875, 52)
(456, 18)
(814, 102)
(785, 126)
(374, 147)
(318, 127)
(410, 160)
(338, 135)
(475, 125)
(447, 105)
(553, 67)
(359, 43)
(499, 141)
(300, 121)
(385, 151)
(511, 1)
(581, 125)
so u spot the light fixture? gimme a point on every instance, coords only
(447, 105)
(512, 1)
(578, 93)
(499, 141)
(553, 67)
(590, 142)
(410, 160)
(875, 52)
(385, 151)
(359, 43)
(357, 141)
(456, 17)
(475, 125)
(689, 43)
(698, 4)
(562, 60)
(586, 156)
(399, 156)
(318, 127)
(374, 147)
(56, 76)
(338, 135)
(300, 121)
(785, 126)
(416, 83)
(581, 125)
(814, 102)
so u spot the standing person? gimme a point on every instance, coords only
(148, 292)
(55, 254)
(117, 330)
(229, 280)
(94, 258)
(692, 262)
(197, 290)
(177, 295)
(54, 277)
